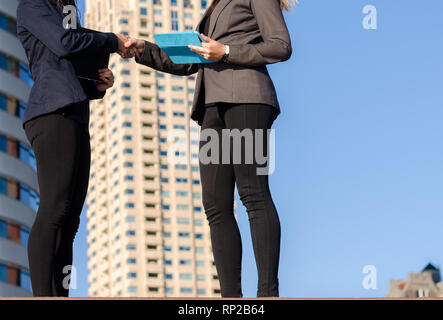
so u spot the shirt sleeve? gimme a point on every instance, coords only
(157, 59)
(276, 44)
(40, 19)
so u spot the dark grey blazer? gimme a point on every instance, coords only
(256, 33)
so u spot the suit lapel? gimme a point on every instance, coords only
(199, 25)
(214, 15)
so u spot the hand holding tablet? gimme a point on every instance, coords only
(176, 46)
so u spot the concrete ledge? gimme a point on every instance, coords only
(13, 252)
(218, 299)
(10, 290)
(16, 211)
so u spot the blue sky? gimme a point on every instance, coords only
(359, 155)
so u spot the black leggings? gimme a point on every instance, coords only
(218, 182)
(62, 151)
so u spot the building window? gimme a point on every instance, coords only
(183, 220)
(183, 207)
(196, 195)
(184, 234)
(15, 276)
(200, 263)
(8, 23)
(14, 232)
(132, 289)
(174, 20)
(178, 101)
(18, 150)
(12, 106)
(18, 191)
(199, 249)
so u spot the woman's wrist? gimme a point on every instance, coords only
(226, 54)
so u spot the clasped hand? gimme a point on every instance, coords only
(131, 47)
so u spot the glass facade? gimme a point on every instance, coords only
(18, 191)
(18, 150)
(15, 276)
(12, 105)
(8, 23)
(14, 232)
(15, 67)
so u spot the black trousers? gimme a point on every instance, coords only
(62, 150)
(218, 182)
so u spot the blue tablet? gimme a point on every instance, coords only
(175, 45)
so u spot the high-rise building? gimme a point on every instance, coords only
(147, 231)
(418, 285)
(18, 179)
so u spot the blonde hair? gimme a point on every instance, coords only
(286, 4)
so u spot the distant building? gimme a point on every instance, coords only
(147, 231)
(18, 178)
(425, 284)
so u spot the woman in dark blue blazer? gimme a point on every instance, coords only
(56, 122)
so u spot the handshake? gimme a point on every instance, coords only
(130, 47)
(210, 49)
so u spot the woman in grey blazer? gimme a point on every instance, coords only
(236, 92)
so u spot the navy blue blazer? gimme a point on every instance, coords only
(50, 48)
